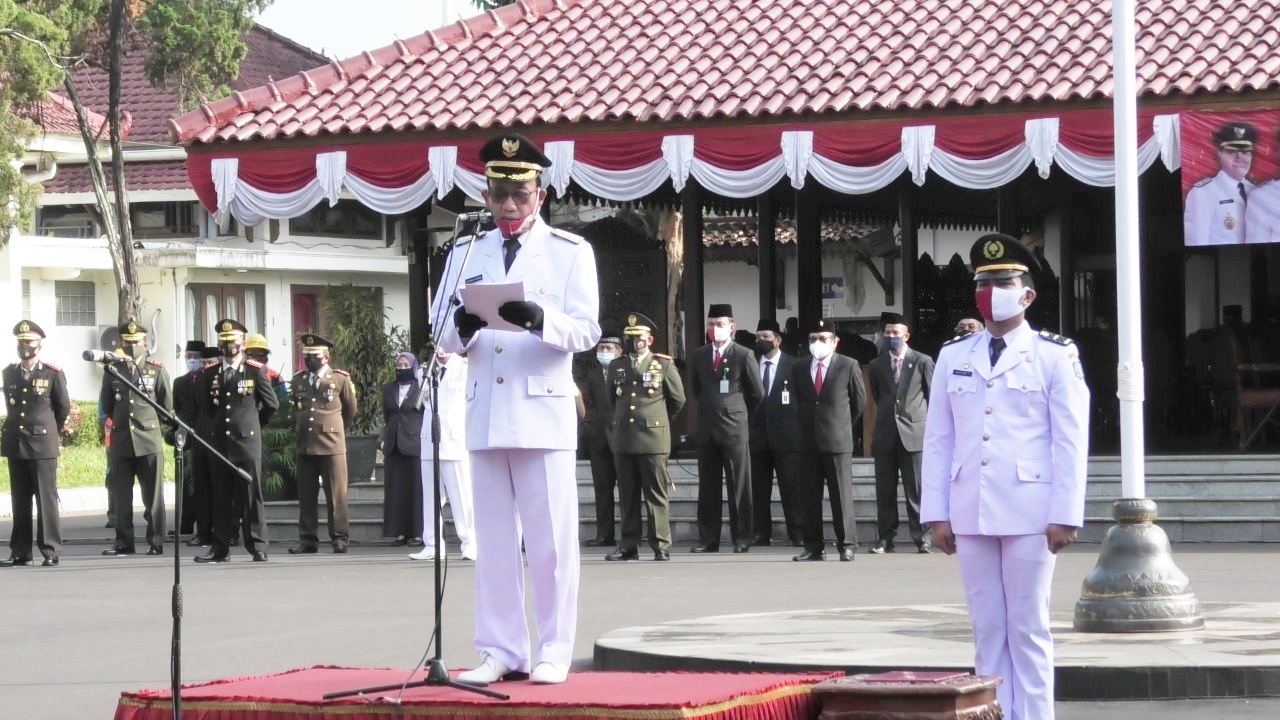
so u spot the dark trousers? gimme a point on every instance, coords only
(644, 476)
(311, 472)
(146, 468)
(604, 478)
(728, 465)
(834, 471)
(402, 495)
(197, 502)
(764, 462)
(38, 479)
(888, 466)
(238, 504)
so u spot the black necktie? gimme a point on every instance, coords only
(510, 247)
(440, 377)
(768, 375)
(1243, 197)
(997, 347)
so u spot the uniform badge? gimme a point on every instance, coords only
(1229, 222)
(619, 391)
(1078, 368)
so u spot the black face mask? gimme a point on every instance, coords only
(256, 355)
(404, 376)
(228, 350)
(25, 351)
(764, 347)
(631, 345)
(314, 364)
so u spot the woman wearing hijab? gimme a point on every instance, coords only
(401, 445)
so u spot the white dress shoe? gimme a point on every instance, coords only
(549, 674)
(489, 671)
(425, 554)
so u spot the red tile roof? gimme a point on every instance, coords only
(167, 175)
(269, 55)
(556, 62)
(55, 114)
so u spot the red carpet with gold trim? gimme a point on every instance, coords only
(297, 695)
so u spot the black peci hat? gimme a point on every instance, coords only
(770, 325)
(891, 318)
(512, 157)
(720, 310)
(996, 256)
(194, 346)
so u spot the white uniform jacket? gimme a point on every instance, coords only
(1006, 448)
(1214, 213)
(520, 392)
(453, 412)
(1262, 218)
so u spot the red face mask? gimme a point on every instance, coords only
(983, 299)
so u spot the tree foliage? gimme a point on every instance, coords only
(491, 4)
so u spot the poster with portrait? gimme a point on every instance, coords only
(1230, 166)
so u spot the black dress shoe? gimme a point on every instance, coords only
(116, 552)
(259, 556)
(881, 547)
(810, 555)
(50, 561)
(340, 547)
(761, 541)
(846, 554)
(303, 550)
(599, 542)
(741, 548)
(621, 554)
(924, 549)
(661, 555)
(212, 557)
(198, 542)
(400, 541)
(705, 548)
(155, 550)
(20, 561)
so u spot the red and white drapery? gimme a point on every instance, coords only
(395, 177)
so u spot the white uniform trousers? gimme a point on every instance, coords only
(1007, 582)
(537, 491)
(455, 478)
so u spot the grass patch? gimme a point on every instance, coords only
(84, 465)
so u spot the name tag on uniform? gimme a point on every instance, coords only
(965, 373)
(1228, 201)
(474, 279)
(786, 397)
(724, 386)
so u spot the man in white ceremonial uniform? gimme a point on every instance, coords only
(455, 461)
(1005, 453)
(1262, 218)
(1216, 207)
(521, 414)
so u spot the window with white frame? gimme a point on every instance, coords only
(77, 303)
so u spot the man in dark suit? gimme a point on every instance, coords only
(238, 397)
(831, 396)
(775, 439)
(136, 439)
(726, 383)
(35, 394)
(595, 432)
(325, 401)
(900, 385)
(647, 396)
(197, 502)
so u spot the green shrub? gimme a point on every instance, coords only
(82, 426)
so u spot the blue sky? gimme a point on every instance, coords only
(342, 28)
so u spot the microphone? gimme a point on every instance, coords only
(100, 356)
(477, 216)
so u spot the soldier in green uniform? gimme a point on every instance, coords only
(136, 440)
(324, 400)
(35, 393)
(647, 395)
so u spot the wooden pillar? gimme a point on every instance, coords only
(694, 297)
(1007, 211)
(910, 250)
(418, 240)
(766, 215)
(808, 257)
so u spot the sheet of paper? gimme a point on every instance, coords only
(485, 299)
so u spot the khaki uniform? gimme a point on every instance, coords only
(646, 395)
(324, 411)
(136, 442)
(37, 410)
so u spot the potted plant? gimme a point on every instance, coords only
(364, 346)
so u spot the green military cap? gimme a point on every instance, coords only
(996, 256)
(638, 324)
(132, 332)
(313, 344)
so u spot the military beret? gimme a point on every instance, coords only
(996, 256)
(512, 157)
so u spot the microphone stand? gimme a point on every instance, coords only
(437, 672)
(182, 431)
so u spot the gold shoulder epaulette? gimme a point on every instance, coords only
(1055, 338)
(660, 356)
(53, 367)
(566, 235)
(343, 373)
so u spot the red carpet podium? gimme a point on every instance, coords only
(296, 695)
